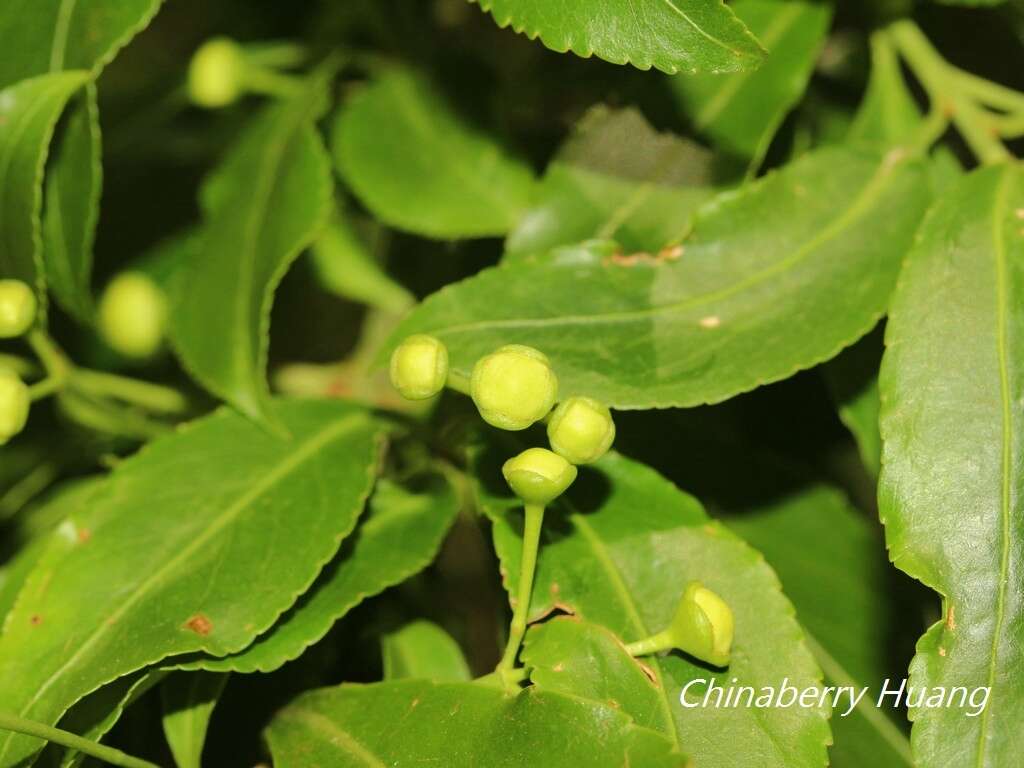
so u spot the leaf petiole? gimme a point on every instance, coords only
(65, 738)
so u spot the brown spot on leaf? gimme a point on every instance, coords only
(84, 534)
(711, 321)
(668, 253)
(200, 625)
(559, 667)
(35, 620)
(555, 589)
(950, 618)
(942, 651)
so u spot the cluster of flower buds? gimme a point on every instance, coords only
(513, 388)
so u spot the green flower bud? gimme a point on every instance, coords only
(538, 476)
(14, 405)
(133, 315)
(216, 74)
(419, 367)
(581, 429)
(17, 308)
(703, 625)
(513, 387)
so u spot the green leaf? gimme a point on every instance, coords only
(423, 650)
(952, 440)
(370, 561)
(265, 203)
(741, 112)
(575, 657)
(670, 35)
(51, 35)
(418, 166)
(72, 498)
(852, 379)
(888, 115)
(458, 725)
(832, 566)
(188, 703)
(347, 267)
(29, 112)
(616, 179)
(617, 551)
(96, 715)
(74, 181)
(118, 590)
(776, 277)
(48, 36)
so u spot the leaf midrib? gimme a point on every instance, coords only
(833, 230)
(351, 746)
(779, 26)
(703, 32)
(608, 564)
(266, 482)
(999, 254)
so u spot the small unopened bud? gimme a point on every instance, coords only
(133, 315)
(703, 625)
(513, 387)
(581, 429)
(419, 367)
(17, 308)
(538, 476)
(216, 74)
(14, 404)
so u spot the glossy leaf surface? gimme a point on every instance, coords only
(950, 492)
(616, 179)
(420, 167)
(741, 112)
(774, 278)
(671, 35)
(460, 725)
(263, 205)
(29, 111)
(172, 554)
(399, 536)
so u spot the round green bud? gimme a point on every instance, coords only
(581, 429)
(513, 387)
(14, 404)
(133, 315)
(17, 308)
(419, 367)
(216, 74)
(538, 476)
(703, 625)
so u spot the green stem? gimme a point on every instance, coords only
(269, 82)
(56, 364)
(531, 543)
(990, 93)
(277, 55)
(153, 397)
(653, 644)
(458, 382)
(57, 736)
(24, 368)
(944, 89)
(48, 386)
